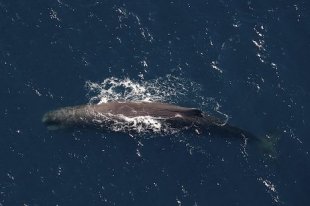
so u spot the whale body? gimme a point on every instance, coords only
(113, 114)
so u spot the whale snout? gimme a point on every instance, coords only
(51, 121)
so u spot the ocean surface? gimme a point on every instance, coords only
(244, 61)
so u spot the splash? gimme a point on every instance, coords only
(164, 89)
(141, 125)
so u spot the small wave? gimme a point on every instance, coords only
(271, 189)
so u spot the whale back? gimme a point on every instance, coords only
(154, 109)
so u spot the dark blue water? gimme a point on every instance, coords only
(250, 57)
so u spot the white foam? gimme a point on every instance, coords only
(140, 124)
(165, 89)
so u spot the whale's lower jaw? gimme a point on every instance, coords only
(55, 127)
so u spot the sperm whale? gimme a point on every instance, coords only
(108, 115)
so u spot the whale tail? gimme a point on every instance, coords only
(232, 131)
(268, 144)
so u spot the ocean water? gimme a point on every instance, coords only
(245, 61)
